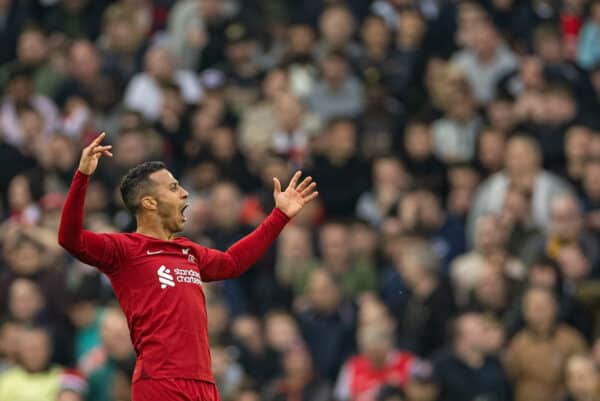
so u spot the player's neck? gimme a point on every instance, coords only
(152, 228)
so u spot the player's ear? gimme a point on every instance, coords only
(149, 203)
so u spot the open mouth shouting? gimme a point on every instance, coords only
(183, 208)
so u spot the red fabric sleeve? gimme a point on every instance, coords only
(100, 250)
(217, 265)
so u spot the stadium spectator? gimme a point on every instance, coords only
(87, 79)
(86, 316)
(229, 375)
(294, 128)
(591, 194)
(537, 354)
(567, 234)
(143, 93)
(390, 181)
(116, 350)
(588, 55)
(335, 250)
(515, 220)
(337, 26)
(490, 248)
(582, 379)
(378, 363)
(32, 52)
(122, 41)
(26, 303)
(19, 95)
(429, 296)
(256, 357)
(10, 333)
(15, 17)
(490, 150)
(419, 157)
(343, 174)
(462, 127)
(298, 380)
(576, 148)
(485, 60)
(337, 93)
(327, 323)
(522, 169)
(420, 211)
(281, 331)
(402, 67)
(35, 378)
(492, 293)
(455, 134)
(375, 40)
(467, 371)
(75, 19)
(295, 258)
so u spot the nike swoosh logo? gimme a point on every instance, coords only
(153, 252)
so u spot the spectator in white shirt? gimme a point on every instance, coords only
(143, 93)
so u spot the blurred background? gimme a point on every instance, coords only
(453, 254)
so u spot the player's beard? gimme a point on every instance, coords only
(171, 217)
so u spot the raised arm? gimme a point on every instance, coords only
(243, 254)
(94, 249)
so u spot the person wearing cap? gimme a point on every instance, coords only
(243, 74)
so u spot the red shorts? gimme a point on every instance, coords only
(174, 390)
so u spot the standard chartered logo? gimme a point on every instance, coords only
(166, 279)
(187, 276)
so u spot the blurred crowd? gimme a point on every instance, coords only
(452, 255)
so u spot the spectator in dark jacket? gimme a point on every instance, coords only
(327, 324)
(466, 373)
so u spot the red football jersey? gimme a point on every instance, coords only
(360, 381)
(159, 285)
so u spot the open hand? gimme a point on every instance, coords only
(92, 153)
(295, 196)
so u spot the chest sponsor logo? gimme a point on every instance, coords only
(164, 277)
(168, 277)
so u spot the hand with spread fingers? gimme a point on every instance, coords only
(295, 196)
(92, 153)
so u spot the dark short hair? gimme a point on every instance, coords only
(136, 182)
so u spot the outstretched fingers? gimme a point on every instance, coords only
(308, 190)
(294, 180)
(304, 184)
(102, 150)
(311, 197)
